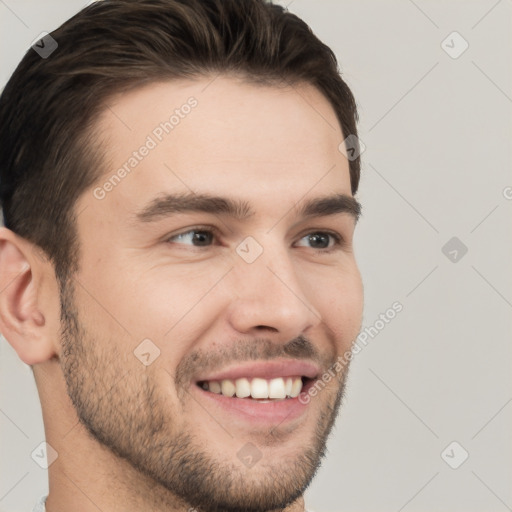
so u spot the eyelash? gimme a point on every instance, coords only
(338, 239)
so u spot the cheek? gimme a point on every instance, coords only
(174, 312)
(341, 306)
(125, 309)
(162, 303)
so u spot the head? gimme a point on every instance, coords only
(153, 122)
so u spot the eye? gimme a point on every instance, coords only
(204, 237)
(321, 240)
(198, 237)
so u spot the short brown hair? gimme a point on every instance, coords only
(48, 148)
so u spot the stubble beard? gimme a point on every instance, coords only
(134, 422)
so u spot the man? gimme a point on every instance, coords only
(177, 264)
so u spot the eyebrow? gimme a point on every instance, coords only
(169, 204)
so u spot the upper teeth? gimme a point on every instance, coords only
(280, 387)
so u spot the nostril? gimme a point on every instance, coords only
(266, 327)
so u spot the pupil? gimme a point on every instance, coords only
(317, 236)
(201, 237)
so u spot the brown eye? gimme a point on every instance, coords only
(319, 240)
(195, 237)
(322, 240)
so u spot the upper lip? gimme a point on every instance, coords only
(265, 370)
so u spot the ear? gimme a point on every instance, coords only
(28, 299)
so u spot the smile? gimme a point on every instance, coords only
(279, 388)
(261, 393)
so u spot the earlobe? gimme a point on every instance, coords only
(22, 321)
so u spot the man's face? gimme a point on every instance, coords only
(169, 303)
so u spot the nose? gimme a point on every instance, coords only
(268, 294)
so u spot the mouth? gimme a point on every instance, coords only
(258, 389)
(262, 394)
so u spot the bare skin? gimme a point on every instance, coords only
(131, 436)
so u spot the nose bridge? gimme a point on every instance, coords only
(269, 291)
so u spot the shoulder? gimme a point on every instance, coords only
(40, 505)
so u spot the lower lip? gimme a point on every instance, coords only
(256, 412)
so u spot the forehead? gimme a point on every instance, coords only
(218, 134)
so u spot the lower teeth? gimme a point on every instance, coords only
(263, 400)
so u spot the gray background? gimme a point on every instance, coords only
(437, 165)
